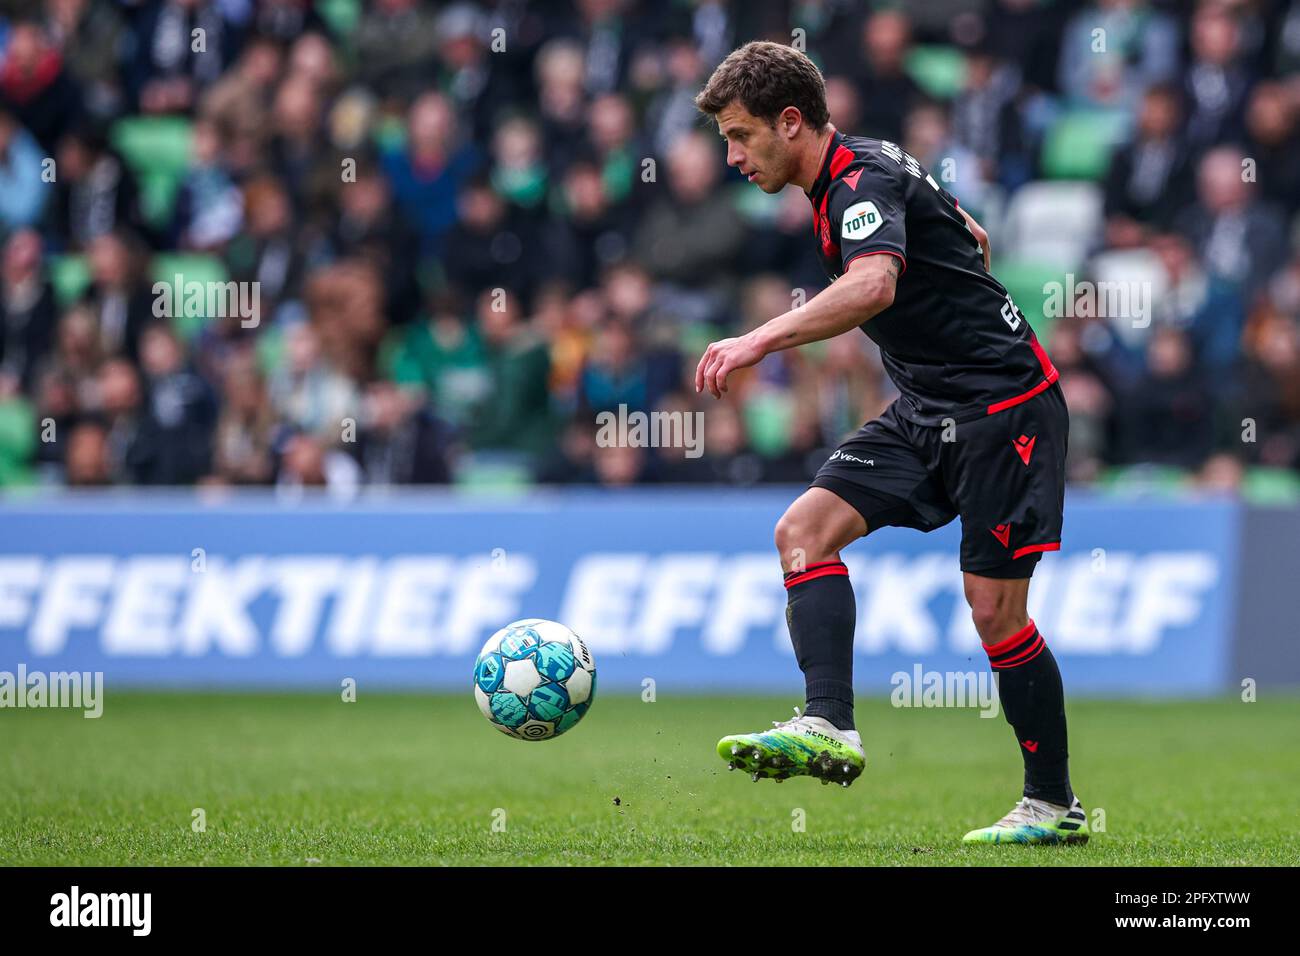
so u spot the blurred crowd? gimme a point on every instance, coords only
(475, 226)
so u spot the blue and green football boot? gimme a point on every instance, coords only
(1036, 822)
(800, 747)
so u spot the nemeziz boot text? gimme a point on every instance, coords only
(802, 746)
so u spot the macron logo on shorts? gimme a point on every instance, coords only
(1024, 447)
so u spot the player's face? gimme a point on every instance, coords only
(755, 148)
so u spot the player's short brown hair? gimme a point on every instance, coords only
(766, 78)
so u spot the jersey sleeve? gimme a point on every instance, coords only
(866, 207)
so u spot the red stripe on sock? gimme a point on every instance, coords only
(1010, 644)
(1024, 657)
(804, 576)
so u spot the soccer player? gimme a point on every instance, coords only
(978, 430)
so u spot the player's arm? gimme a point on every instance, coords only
(980, 235)
(865, 290)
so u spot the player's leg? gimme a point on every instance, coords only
(820, 608)
(1033, 703)
(820, 611)
(1007, 476)
(865, 485)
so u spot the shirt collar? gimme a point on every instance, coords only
(823, 180)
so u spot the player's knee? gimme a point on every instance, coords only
(996, 615)
(786, 534)
(987, 616)
(996, 619)
(799, 539)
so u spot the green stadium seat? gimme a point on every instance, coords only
(17, 441)
(70, 276)
(1271, 486)
(270, 349)
(1025, 281)
(1079, 143)
(493, 473)
(695, 337)
(388, 134)
(1160, 481)
(769, 416)
(341, 16)
(157, 148)
(191, 267)
(755, 206)
(939, 70)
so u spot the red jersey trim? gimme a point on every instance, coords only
(1034, 548)
(840, 161)
(1043, 359)
(1041, 387)
(1050, 375)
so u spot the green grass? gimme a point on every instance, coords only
(298, 779)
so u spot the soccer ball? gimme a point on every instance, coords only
(534, 679)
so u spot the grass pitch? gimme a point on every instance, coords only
(297, 779)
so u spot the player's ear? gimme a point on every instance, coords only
(790, 122)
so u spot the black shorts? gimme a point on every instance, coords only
(1003, 474)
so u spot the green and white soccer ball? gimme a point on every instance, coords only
(534, 679)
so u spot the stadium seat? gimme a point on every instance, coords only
(70, 276)
(270, 349)
(769, 416)
(17, 441)
(1054, 222)
(191, 267)
(1271, 486)
(493, 473)
(341, 16)
(1140, 266)
(1158, 481)
(939, 70)
(1025, 280)
(157, 148)
(1079, 143)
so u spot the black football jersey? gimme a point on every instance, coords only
(953, 342)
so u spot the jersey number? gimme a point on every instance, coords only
(1009, 315)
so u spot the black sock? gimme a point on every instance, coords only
(821, 613)
(1029, 686)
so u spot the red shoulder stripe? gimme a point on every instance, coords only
(840, 161)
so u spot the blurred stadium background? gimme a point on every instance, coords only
(524, 170)
(474, 226)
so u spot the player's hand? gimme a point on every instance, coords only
(722, 358)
